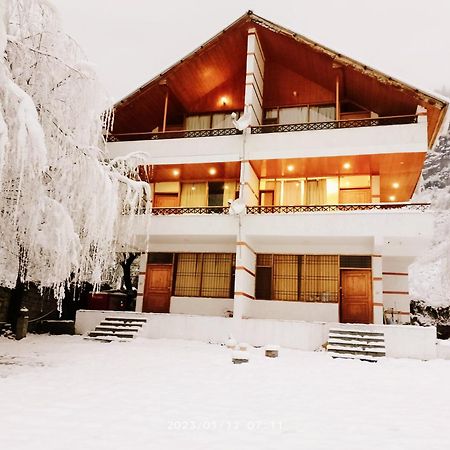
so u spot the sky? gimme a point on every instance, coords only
(131, 41)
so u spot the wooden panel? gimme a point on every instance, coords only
(158, 286)
(356, 297)
(349, 196)
(284, 87)
(166, 200)
(401, 168)
(191, 172)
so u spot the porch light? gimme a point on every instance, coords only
(290, 168)
(395, 185)
(212, 171)
(224, 101)
(392, 198)
(193, 188)
(347, 165)
(175, 172)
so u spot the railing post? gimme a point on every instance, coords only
(22, 324)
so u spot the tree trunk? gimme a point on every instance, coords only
(16, 299)
(126, 264)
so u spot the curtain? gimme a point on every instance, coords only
(202, 122)
(285, 277)
(294, 115)
(220, 120)
(193, 194)
(216, 276)
(188, 275)
(229, 192)
(319, 278)
(322, 113)
(292, 191)
(316, 192)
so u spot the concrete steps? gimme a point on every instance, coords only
(120, 329)
(350, 343)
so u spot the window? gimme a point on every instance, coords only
(307, 278)
(204, 275)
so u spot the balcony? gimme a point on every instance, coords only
(396, 134)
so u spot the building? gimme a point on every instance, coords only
(326, 169)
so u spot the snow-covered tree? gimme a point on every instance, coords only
(60, 200)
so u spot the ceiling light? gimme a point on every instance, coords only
(193, 188)
(347, 165)
(176, 172)
(212, 171)
(290, 168)
(392, 198)
(395, 185)
(223, 101)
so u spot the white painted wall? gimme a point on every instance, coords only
(402, 341)
(407, 138)
(284, 310)
(201, 306)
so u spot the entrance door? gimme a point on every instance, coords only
(356, 297)
(158, 286)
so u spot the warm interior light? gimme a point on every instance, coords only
(392, 198)
(224, 101)
(347, 165)
(212, 171)
(395, 185)
(176, 172)
(193, 188)
(290, 168)
(225, 187)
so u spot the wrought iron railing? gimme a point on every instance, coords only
(331, 208)
(190, 210)
(294, 209)
(335, 124)
(211, 132)
(310, 126)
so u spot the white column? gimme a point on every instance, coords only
(254, 80)
(249, 190)
(141, 282)
(377, 280)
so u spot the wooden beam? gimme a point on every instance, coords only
(166, 102)
(338, 102)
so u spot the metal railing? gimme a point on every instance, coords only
(335, 124)
(190, 210)
(179, 134)
(309, 126)
(330, 208)
(294, 209)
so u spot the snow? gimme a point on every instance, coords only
(65, 392)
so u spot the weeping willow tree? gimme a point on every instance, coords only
(61, 199)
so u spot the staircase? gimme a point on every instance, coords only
(350, 343)
(120, 329)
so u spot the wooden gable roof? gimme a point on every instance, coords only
(195, 82)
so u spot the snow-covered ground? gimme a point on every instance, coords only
(67, 393)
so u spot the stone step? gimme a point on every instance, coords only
(356, 343)
(116, 329)
(356, 357)
(368, 338)
(126, 319)
(111, 334)
(105, 339)
(356, 351)
(121, 324)
(350, 331)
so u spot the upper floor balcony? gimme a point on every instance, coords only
(358, 136)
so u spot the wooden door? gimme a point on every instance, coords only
(352, 196)
(158, 287)
(356, 296)
(166, 200)
(266, 198)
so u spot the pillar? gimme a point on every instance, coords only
(244, 282)
(141, 282)
(377, 280)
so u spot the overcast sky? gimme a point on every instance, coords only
(130, 41)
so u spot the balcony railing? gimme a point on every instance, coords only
(210, 132)
(292, 209)
(335, 124)
(310, 126)
(331, 208)
(175, 211)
